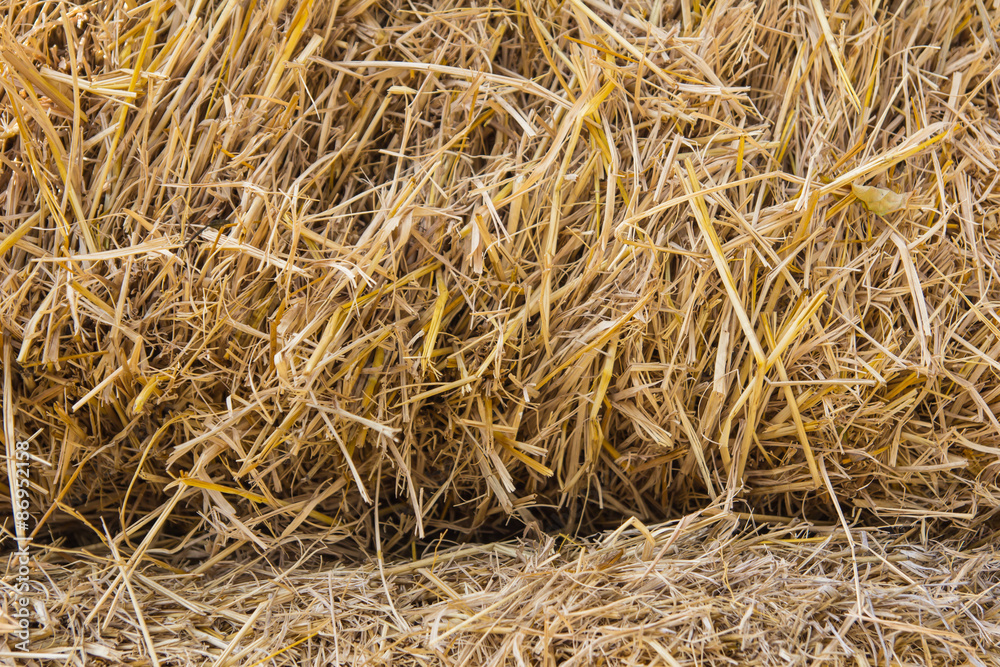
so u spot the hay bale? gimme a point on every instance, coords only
(376, 275)
(713, 591)
(472, 262)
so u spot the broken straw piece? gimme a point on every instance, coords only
(879, 200)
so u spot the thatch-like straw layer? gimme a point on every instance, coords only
(364, 277)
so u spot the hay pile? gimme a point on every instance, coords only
(294, 281)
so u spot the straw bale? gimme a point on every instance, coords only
(358, 278)
(713, 591)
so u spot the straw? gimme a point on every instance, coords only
(290, 281)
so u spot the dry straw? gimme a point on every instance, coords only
(297, 281)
